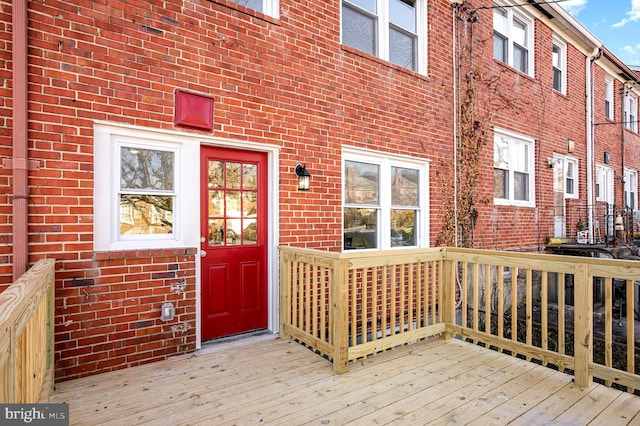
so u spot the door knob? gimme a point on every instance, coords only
(203, 253)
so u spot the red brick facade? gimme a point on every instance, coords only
(285, 81)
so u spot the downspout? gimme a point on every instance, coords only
(20, 161)
(590, 138)
(454, 58)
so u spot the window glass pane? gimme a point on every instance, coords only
(403, 14)
(252, 4)
(500, 20)
(360, 228)
(369, 5)
(358, 30)
(403, 228)
(499, 47)
(557, 79)
(500, 183)
(250, 232)
(146, 214)
(569, 188)
(146, 169)
(519, 32)
(521, 186)
(249, 176)
(520, 157)
(404, 186)
(556, 57)
(362, 182)
(501, 153)
(402, 49)
(233, 175)
(520, 58)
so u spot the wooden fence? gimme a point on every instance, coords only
(541, 307)
(26, 339)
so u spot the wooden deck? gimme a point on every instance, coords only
(264, 380)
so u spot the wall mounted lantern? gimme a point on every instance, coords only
(303, 177)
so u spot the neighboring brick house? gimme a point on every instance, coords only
(164, 139)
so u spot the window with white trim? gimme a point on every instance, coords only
(513, 169)
(631, 189)
(393, 30)
(385, 202)
(268, 7)
(608, 98)
(631, 111)
(559, 59)
(142, 181)
(570, 165)
(513, 38)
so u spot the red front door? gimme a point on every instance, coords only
(233, 241)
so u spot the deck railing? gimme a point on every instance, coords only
(26, 336)
(541, 307)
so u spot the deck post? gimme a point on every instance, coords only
(285, 295)
(583, 324)
(447, 294)
(340, 315)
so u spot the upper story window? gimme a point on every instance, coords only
(608, 98)
(513, 171)
(268, 7)
(631, 112)
(559, 59)
(513, 39)
(393, 30)
(385, 202)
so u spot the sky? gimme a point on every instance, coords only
(616, 23)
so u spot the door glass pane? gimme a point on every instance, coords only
(250, 232)
(249, 204)
(360, 228)
(233, 175)
(233, 204)
(234, 228)
(362, 182)
(249, 176)
(216, 174)
(216, 203)
(358, 30)
(404, 186)
(216, 232)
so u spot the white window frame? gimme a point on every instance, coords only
(631, 187)
(564, 161)
(269, 7)
(511, 138)
(508, 33)
(561, 66)
(382, 18)
(108, 139)
(631, 111)
(385, 162)
(609, 110)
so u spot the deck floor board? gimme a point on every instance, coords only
(264, 380)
